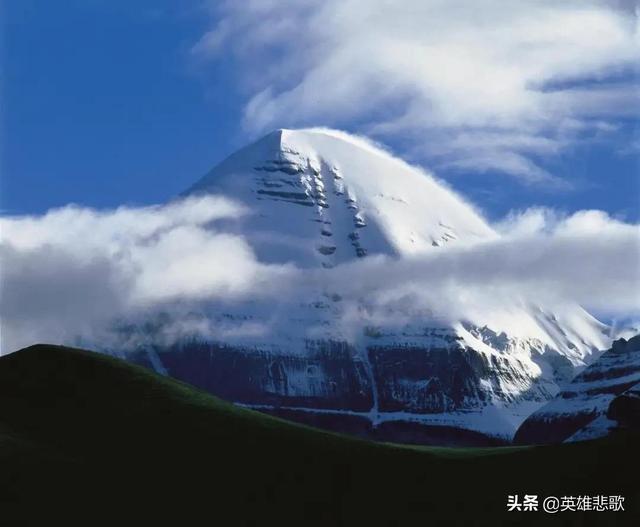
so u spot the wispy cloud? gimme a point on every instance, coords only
(472, 84)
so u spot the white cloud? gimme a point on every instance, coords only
(541, 258)
(503, 81)
(75, 272)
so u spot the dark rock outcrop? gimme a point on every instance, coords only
(327, 375)
(591, 400)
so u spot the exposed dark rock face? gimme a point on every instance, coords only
(625, 409)
(539, 430)
(427, 381)
(437, 380)
(582, 408)
(327, 375)
(336, 385)
(333, 375)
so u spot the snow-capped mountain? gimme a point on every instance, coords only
(319, 199)
(322, 197)
(581, 410)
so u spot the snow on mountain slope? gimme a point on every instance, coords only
(318, 199)
(323, 197)
(580, 409)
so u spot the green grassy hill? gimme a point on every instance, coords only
(87, 439)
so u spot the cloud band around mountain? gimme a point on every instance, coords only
(74, 271)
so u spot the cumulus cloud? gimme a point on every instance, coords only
(74, 270)
(473, 84)
(76, 273)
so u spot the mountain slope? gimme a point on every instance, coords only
(94, 440)
(579, 411)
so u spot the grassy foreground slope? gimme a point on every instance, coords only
(87, 439)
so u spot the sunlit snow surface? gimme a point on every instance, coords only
(318, 196)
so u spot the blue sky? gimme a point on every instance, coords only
(106, 103)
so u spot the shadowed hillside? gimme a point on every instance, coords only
(88, 439)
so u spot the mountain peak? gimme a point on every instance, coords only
(321, 196)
